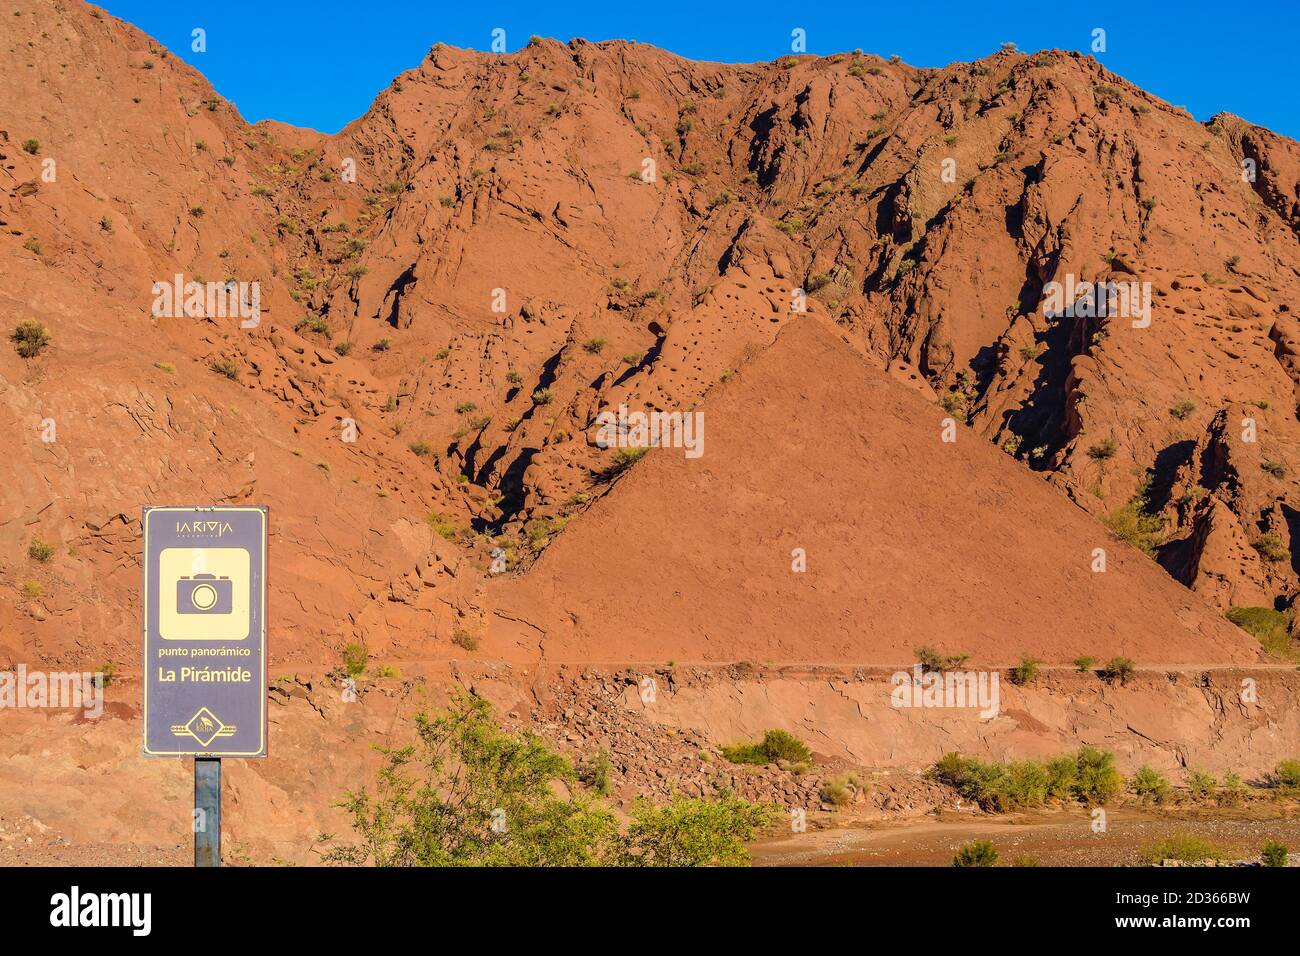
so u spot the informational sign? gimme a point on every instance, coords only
(205, 631)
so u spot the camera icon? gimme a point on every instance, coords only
(204, 594)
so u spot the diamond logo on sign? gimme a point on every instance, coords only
(204, 602)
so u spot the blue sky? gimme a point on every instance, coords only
(320, 64)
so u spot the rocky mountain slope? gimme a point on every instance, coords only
(532, 239)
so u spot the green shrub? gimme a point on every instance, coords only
(775, 747)
(1103, 450)
(1233, 791)
(32, 146)
(1273, 854)
(465, 638)
(435, 803)
(39, 551)
(420, 448)
(932, 661)
(839, 791)
(1183, 409)
(594, 773)
(1084, 663)
(355, 657)
(1274, 468)
(1184, 847)
(594, 346)
(1131, 523)
(1025, 672)
(1271, 548)
(542, 396)
(1201, 785)
(1271, 628)
(226, 367)
(1118, 669)
(1149, 786)
(29, 338)
(976, 853)
(624, 458)
(1286, 775)
(1096, 781)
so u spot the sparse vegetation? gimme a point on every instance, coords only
(1183, 409)
(1273, 854)
(1274, 468)
(1184, 847)
(1270, 627)
(39, 551)
(355, 658)
(226, 367)
(1149, 786)
(1118, 669)
(1102, 450)
(932, 661)
(1271, 547)
(466, 639)
(420, 448)
(1025, 671)
(542, 396)
(1088, 776)
(777, 746)
(1084, 663)
(30, 338)
(976, 853)
(593, 346)
(840, 791)
(624, 458)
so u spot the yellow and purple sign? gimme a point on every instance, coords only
(205, 631)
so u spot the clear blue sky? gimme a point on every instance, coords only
(320, 64)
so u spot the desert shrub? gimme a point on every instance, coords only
(355, 657)
(32, 146)
(1274, 468)
(1149, 786)
(624, 458)
(1096, 779)
(593, 773)
(996, 787)
(29, 338)
(382, 345)
(839, 791)
(39, 551)
(226, 367)
(1117, 669)
(1183, 409)
(1270, 547)
(436, 801)
(1103, 450)
(1201, 785)
(1133, 524)
(593, 346)
(420, 448)
(1025, 672)
(1286, 775)
(313, 323)
(1084, 663)
(1271, 628)
(932, 661)
(466, 639)
(775, 747)
(1232, 792)
(343, 348)
(542, 396)
(1273, 854)
(1184, 847)
(976, 853)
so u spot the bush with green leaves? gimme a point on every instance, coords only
(1273, 854)
(29, 338)
(976, 853)
(1088, 776)
(355, 657)
(1183, 847)
(1025, 672)
(39, 551)
(932, 661)
(469, 793)
(777, 746)
(1286, 775)
(1149, 786)
(1271, 628)
(1118, 669)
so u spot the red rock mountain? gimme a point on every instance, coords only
(532, 239)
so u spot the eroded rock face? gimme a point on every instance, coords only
(439, 333)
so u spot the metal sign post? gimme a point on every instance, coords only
(207, 811)
(204, 611)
